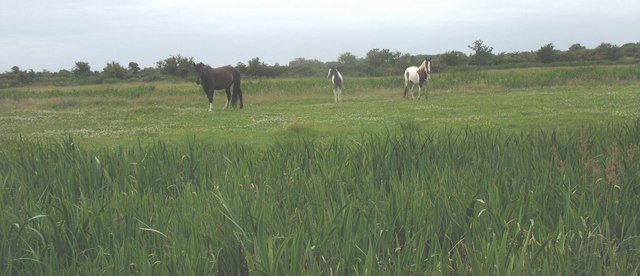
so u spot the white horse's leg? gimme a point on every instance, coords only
(413, 86)
(335, 95)
(404, 94)
(227, 104)
(426, 88)
(210, 107)
(339, 94)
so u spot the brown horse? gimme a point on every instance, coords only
(219, 78)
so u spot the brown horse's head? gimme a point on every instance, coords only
(200, 69)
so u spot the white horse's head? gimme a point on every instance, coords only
(426, 65)
(333, 72)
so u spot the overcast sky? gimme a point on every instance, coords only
(54, 34)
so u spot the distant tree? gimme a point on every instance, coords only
(20, 77)
(348, 62)
(577, 52)
(453, 58)
(242, 68)
(379, 57)
(577, 47)
(64, 73)
(348, 59)
(277, 70)
(403, 61)
(256, 67)
(380, 61)
(134, 68)
(515, 57)
(307, 67)
(631, 50)
(114, 70)
(546, 53)
(81, 69)
(608, 51)
(177, 66)
(482, 53)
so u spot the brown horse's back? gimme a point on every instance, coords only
(223, 77)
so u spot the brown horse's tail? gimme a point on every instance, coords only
(237, 92)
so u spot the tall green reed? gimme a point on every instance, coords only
(460, 201)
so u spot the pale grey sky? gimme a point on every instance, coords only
(54, 34)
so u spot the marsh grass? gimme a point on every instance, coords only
(463, 201)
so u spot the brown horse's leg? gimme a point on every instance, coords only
(237, 95)
(210, 96)
(228, 91)
(237, 92)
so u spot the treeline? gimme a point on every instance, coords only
(376, 62)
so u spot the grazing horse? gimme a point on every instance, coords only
(336, 81)
(417, 75)
(219, 78)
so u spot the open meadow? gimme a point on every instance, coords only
(499, 172)
(289, 109)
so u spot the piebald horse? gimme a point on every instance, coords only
(336, 81)
(219, 78)
(417, 75)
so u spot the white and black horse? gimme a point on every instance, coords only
(219, 78)
(417, 75)
(336, 81)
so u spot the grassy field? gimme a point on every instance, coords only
(282, 109)
(530, 171)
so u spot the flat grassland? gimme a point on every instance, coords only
(283, 109)
(508, 172)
